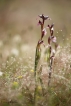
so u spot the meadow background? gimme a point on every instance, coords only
(19, 34)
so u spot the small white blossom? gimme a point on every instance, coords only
(15, 52)
(1, 73)
(17, 38)
(25, 48)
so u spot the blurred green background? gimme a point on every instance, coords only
(19, 18)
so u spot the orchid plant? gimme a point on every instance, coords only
(50, 52)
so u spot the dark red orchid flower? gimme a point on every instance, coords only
(51, 39)
(41, 24)
(44, 32)
(44, 17)
(51, 28)
(40, 42)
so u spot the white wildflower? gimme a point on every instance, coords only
(1, 73)
(25, 48)
(15, 52)
(17, 38)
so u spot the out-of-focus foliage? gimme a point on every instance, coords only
(20, 17)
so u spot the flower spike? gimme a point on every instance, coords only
(44, 17)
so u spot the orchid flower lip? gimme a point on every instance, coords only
(39, 23)
(44, 30)
(52, 29)
(54, 40)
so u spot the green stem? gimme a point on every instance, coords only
(50, 71)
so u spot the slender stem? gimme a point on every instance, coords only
(50, 71)
(40, 79)
(35, 92)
